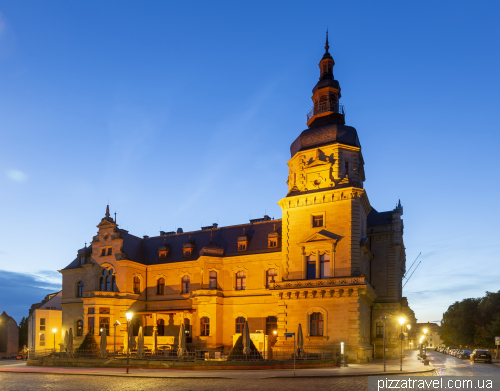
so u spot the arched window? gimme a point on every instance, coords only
(113, 283)
(101, 284)
(240, 322)
(241, 281)
(79, 289)
(109, 287)
(186, 285)
(212, 280)
(161, 327)
(160, 286)
(271, 324)
(205, 326)
(271, 276)
(79, 328)
(137, 285)
(316, 324)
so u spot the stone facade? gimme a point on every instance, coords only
(332, 264)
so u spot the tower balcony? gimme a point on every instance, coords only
(326, 108)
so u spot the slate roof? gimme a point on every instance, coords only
(379, 218)
(325, 133)
(145, 250)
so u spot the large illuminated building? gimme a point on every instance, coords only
(332, 263)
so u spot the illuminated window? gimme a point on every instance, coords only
(240, 322)
(104, 310)
(205, 326)
(271, 276)
(104, 325)
(212, 280)
(325, 265)
(79, 328)
(317, 221)
(160, 286)
(316, 324)
(241, 281)
(271, 324)
(186, 284)
(137, 285)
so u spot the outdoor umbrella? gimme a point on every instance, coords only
(70, 343)
(131, 339)
(155, 341)
(66, 340)
(246, 339)
(140, 343)
(104, 343)
(300, 341)
(182, 342)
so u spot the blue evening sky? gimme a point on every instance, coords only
(182, 114)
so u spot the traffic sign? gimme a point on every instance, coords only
(289, 335)
(497, 340)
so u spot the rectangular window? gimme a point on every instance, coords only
(311, 267)
(103, 252)
(317, 221)
(42, 324)
(205, 326)
(273, 243)
(271, 276)
(380, 330)
(242, 246)
(271, 324)
(212, 282)
(42, 339)
(241, 281)
(110, 251)
(104, 310)
(91, 324)
(325, 265)
(91, 311)
(316, 324)
(82, 260)
(104, 324)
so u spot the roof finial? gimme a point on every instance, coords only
(107, 210)
(326, 45)
(115, 216)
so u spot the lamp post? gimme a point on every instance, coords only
(383, 318)
(54, 331)
(129, 318)
(401, 337)
(425, 334)
(117, 323)
(408, 327)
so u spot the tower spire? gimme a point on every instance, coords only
(326, 45)
(107, 211)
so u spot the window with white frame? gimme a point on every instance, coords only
(241, 281)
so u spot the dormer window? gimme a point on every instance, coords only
(82, 260)
(243, 242)
(273, 243)
(188, 248)
(242, 246)
(272, 239)
(163, 251)
(187, 252)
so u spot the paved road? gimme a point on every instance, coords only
(451, 366)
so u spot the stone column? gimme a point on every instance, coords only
(304, 264)
(318, 265)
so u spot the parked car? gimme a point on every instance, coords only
(464, 354)
(19, 357)
(481, 355)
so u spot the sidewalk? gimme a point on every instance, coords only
(410, 365)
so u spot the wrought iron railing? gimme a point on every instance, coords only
(324, 107)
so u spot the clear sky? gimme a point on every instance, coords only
(182, 114)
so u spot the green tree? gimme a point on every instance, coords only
(89, 345)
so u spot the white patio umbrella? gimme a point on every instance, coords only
(300, 341)
(70, 342)
(104, 343)
(247, 343)
(182, 342)
(140, 343)
(155, 341)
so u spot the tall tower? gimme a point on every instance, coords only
(325, 189)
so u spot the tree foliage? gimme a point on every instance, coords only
(89, 344)
(23, 333)
(472, 322)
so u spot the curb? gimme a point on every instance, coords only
(219, 377)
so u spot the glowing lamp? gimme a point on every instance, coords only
(401, 321)
(129, 315)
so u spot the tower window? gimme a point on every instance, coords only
(317, 221)
(241, 281)
(212, 280)
(186, 284)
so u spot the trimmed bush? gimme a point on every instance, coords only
(237, 352)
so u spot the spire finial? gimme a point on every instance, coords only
(115, 216)
(107, 210)
(326, 45)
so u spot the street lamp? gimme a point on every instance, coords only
(383, 318)
(54, 331)
(117, 323)
(401, 337)
(129, 318)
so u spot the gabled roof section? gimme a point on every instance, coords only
(321, 236)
